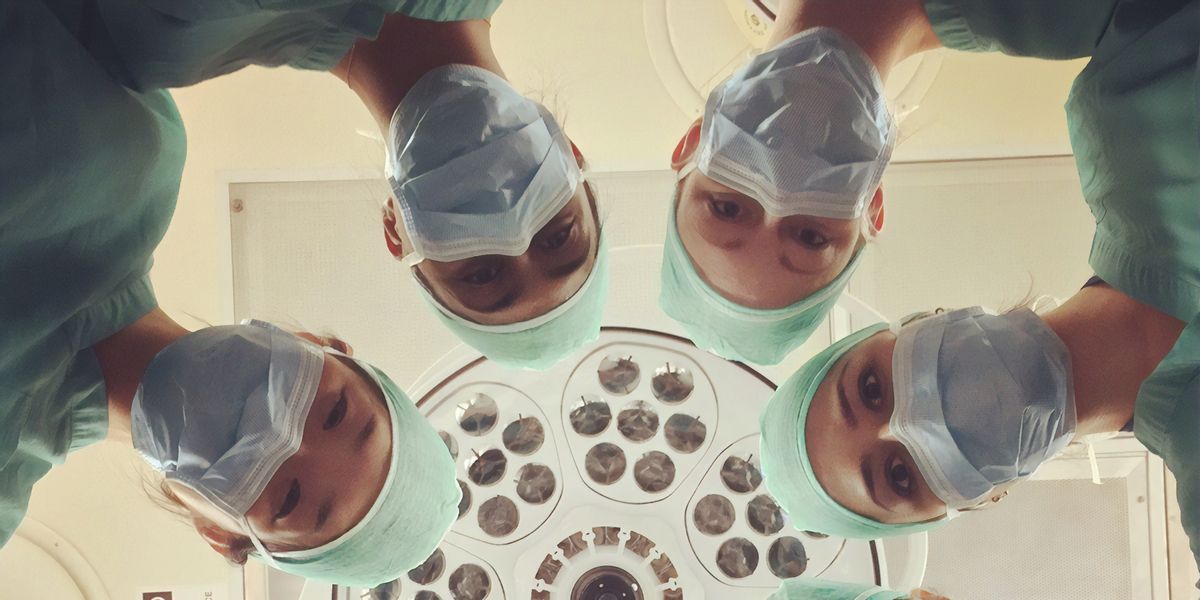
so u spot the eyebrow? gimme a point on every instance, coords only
(786, 263)
(508, 300)
(567, 269)
(324, 512)
(365, 434)
(843, 403)
(869, 480)
(734, 244)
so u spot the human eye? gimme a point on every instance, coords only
(558, 238)
(725, 210)
(870, 390)
(336, 414)
(811, 238)
(290, 501)
(899, 476)
(481, 276)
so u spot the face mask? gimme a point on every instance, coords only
(804, 128)
(981, 400)
(222, 408)
(476, 168)
(538, 343)
(733, 331)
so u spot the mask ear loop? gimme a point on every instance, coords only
(261, 548)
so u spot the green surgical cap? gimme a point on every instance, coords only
(806, 588)
(540, 342)
(733, 331)
(784, 454)
(415, 508)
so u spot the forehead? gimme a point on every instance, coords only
(834, 454)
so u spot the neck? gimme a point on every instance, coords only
(123, 358)
(888, 31)
(1115, 343)
(383, 70)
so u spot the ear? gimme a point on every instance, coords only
(327, 340)
(875, 211)
(579, 159)
(687, 146)
(391, 237)
(234, 547)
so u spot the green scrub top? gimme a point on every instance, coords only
(1134, 120)
(1166, 419)
(172, 43)
(91, 155)
(807, 588)
(89, 173)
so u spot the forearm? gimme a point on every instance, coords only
(381, 71)
(889, 31)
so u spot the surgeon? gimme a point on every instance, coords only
(779, 182)
(252, 427)
(895, 430)
(490, 211)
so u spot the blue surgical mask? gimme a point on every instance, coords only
(804, 128)
(981, 400)
(476, 168)
(220, 410)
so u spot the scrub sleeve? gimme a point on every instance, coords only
(91, 155)
(150, 44)
(1134, 120)
(1166, 419)
(89, 174)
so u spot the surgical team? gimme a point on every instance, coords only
(895, 429)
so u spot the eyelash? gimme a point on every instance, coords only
(817, 244)
(559, 238)
(865, 380)
(337, 414)
(717, 207)
(903, 488)
(290, 501)
(481, 276)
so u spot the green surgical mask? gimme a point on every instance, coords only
(733, 331)
(806, 588)
(541, 342)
